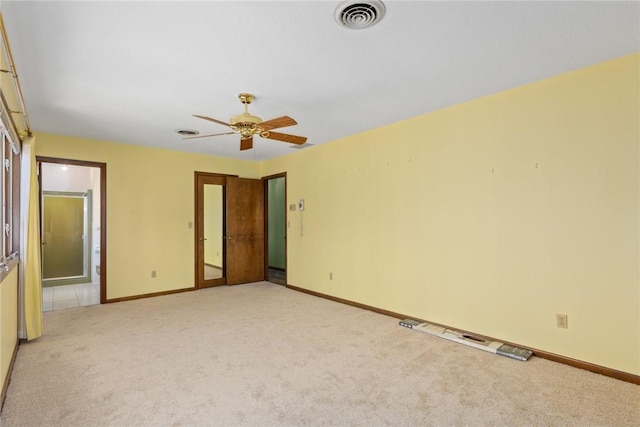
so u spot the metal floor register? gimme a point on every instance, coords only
(496, 347)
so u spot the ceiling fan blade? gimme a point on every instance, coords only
(212, 120)
(207, 136)
(280, 122)
(246, 143)
(293, 139)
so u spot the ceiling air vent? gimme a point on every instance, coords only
(300, 147)
(357, 15)
(187, 132)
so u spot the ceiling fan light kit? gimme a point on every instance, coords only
(248, 125)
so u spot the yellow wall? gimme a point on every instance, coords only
(9, 322)
(490, 216)
(150, 202)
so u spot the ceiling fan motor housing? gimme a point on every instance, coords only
(246, 121)
(246, 125)
(245, 118)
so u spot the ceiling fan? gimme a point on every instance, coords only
(248, 125)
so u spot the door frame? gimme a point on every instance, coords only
(103, 210)
(243, 229)
(265, 180)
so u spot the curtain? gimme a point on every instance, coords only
(30, 296)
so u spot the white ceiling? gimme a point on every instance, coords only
(134, 72)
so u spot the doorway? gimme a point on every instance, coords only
(73, 232)
(276, 219)
(229, 230)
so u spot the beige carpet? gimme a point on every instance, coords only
(261, 355)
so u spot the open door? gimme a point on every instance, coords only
(229, 231)
(245, 230)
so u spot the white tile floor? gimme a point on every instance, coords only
(69, 296)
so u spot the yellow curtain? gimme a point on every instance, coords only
(30, 277)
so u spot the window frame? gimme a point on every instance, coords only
(10, 199)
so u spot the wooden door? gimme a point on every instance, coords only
(245, 230)
(229, 230)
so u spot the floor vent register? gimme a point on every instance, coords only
(468, 339)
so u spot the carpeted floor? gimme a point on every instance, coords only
(262, 355)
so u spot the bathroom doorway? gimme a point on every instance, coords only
(72, 212)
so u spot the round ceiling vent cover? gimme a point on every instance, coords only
(357, 15)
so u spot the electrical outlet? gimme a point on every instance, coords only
(562, 320)
(330, 276)
(153, 274)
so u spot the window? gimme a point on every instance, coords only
(10, 213)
